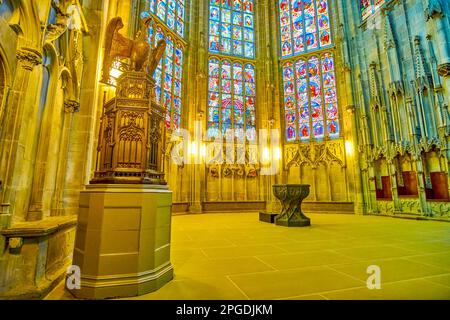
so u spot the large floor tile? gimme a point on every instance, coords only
(418, 289)
(241, 251)
(291, 283)
(221, 267)
(442, 279)
(305, 259)
(391, 270)
(437, 259)
(375, 252)
(200, 288)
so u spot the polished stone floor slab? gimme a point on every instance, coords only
(235, 256)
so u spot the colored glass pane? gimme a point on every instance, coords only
(310, 99)
(231, 27)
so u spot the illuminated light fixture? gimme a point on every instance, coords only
(349, 147)
(277, 153)
(194, 148)
(203, 150)
(115, 73)
(266, 154)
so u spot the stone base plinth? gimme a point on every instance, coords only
(267, 217)
(306, 222)
(122, 243)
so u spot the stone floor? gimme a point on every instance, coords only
(233, 256)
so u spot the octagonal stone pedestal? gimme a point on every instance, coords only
(291, 197)
(122, 244)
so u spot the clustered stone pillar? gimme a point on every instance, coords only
(16, 124)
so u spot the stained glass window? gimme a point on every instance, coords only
(231, 99)
(369, 7)
(231, 27)
(305, 26)
(310, 98)
(168, 77)
(171, 12)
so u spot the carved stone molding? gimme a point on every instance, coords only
(29, 58)
(71, 106)
(315, 154)
(434, 9)
(444, 69)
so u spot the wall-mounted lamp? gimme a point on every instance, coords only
(349, 148)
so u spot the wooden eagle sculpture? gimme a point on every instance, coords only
(142, 57)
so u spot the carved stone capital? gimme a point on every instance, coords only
(29, 58)
(444, 69)
(71, 106)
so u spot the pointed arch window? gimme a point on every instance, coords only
(308, 72)
(231, 99)
(232, 81)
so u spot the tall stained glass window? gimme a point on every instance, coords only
(231, 27)
(171, 12)
(232, 82)
(369, 7)
(168, 76)
(232, 94)
(305, 26)
(309, 83)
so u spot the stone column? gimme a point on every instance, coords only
(416, 156)
(359, 197)
(11, 158)
(70, 107)
(435, 11)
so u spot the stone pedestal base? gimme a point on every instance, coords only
(304, 222)
(291, 197)
(122, 243)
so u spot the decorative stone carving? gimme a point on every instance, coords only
(227, 172)
(291, 197)
(440, 209)
(29, 58)
(313, 154)
(214, 171)
(444, 69)
(434, 9)
(71, 106)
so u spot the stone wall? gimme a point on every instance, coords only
(398, 61)
(47, 118)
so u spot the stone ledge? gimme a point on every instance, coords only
(233, 206)
(409, 217)
(41, 228)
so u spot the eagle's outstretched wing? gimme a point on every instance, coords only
(115, 45)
